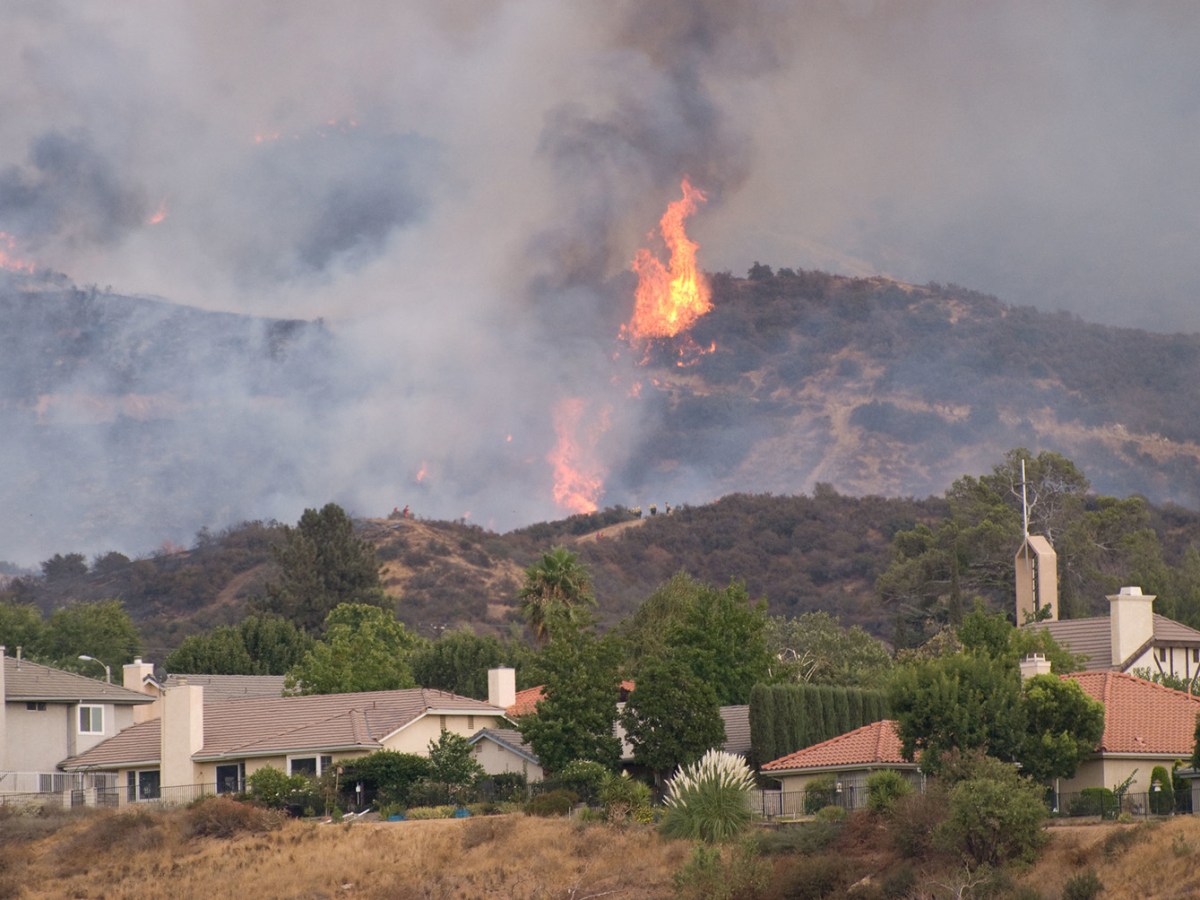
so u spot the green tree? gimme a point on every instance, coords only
(275, 645)
(994, 816)
(646, 633)
(1162, 792)
(365, 648)
(575, 717)
(21, 625)
(387, 774)
(64, 568)
(260, 645)
(815, 648)
(109, 563)
(964, 701)
(1063, 725)
(672, 717)
(322, 565)
(722, 639)
(452, 762)
(101, 629)
(458, 662)
(556, 582)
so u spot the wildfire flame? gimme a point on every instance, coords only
(159, 214)
(578, 478)
(422, 472)
(670, 298)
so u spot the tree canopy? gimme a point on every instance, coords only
(365, 648)
(259, 645)
(558, 582)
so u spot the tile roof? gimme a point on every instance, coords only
(232, 687)
(26, 681)
(874, 744)
(737, 729)
(269, 726)
(508, 738)
(1140, 716)
(134, 746)
(1092, 637)
(527, 700)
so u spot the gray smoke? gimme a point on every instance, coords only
(457, 191)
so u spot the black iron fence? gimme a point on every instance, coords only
(1105, 804)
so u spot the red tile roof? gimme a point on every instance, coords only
(527, 700)
(874, 744)
(1140, 716)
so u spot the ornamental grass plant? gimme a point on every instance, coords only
(709, 799)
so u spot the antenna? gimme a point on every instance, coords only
(1024, 503)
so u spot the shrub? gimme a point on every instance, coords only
(624, 798)
(1084, 886)
(708, 800)
(915, 820)
(508, 786)
(1162, 792)
(995, 819)
(831, 814)
(552, 803)
(799, 839)
(272, 787)
(387, 773)
(225, 817)
(884, 788)
(585, 777)
(1097, 801)
(819, 793)
(709, 876)
(431, 812)
(815, 877)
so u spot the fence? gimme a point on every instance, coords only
(794, 804)
(1105, 804)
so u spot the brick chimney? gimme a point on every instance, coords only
(502, 687)
(182, 733)
(1130, 621)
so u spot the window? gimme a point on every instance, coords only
(312, 766)
(1195, 655)
(36, 707)
(91, 719)
(230, 778)
(1162, 654)
(470, 723)
(143, 785)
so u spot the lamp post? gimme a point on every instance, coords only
(107, 670)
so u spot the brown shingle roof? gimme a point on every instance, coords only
(1140, 716)
(26, 682)
(232, 687)
(278, 725)
(135, 746)
(874, 744)
(509, 738)
(737, 729)
(526, 701)
(1092, 637)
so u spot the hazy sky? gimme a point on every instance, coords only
(456, 184)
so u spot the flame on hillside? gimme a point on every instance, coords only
(578, 477)
(670, 298)
(8, 255)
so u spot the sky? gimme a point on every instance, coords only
(456, 188)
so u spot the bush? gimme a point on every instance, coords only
(552, 803)
(1097, 801)
(507, 787)
(819, 793)
(388, 774)
(708, 800)
(225, 817)
(815, 877)
(585, 777)
(884, 788)
(431, 812)
(625, 798)
(272, 787)
(1162, 792)
(915, 820)
(993, 820)
(800, 839)
(1084, 886)
(708, 876)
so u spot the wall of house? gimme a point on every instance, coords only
(1182, 662)
(497, 760)
(38, 740)
(415, 737)
(1110, 772)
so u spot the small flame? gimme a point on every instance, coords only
(578, 478)
(423, 472)
(669, 299)
(8, 258)
(159, 214)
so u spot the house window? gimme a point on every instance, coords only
(36, 707)
(470, 723)
(230, 778)
(91, 719)
(1162, 654)
(1196, 655)
(143, 785)
(312, 766)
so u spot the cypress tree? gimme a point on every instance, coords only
(762, 724)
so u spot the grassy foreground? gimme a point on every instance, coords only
(252, 854)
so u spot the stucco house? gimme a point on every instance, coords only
(199, 745)
(49, 714)
(503, 750)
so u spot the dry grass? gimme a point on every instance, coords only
(509, 856)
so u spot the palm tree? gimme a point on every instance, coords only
(558, 581)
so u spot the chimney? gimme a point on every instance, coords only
(502, 687)
(1131, 623)
(1034, 664)
(3, 709)
(181, 734)
(139, 676)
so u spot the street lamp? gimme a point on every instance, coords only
(107, 670)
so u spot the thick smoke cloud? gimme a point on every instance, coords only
(457, 191)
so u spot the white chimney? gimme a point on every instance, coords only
(502, 687)
(1131, 623)
(182, 734)
(138, 676)
(1034, 664)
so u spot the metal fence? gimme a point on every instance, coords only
(1105, 804)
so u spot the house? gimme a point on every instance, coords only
(850, 758)
(503, 750)
(201, 745)
(1132, 636)
(49, 714)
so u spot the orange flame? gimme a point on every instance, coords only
(578, 478)
(8, 259)
(670, 299)
(423, 472)
(159, 214)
